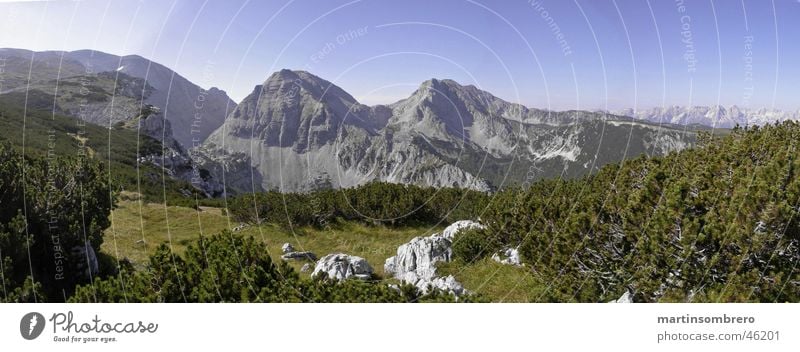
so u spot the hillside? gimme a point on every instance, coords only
(117, 148)
(193, 111)
(714, 223)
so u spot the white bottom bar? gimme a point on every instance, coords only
(404, 327)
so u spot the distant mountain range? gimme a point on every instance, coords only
(193, 112)
(711, 116)
(299, 132)
(122, 91)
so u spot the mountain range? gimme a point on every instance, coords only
(131, 81)
(712, 116)
(297, 132)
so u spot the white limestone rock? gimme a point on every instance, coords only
(415, 262)
(341, 266)
(446, 284)
(287, 248)
(419, 256)
(450, 231)
(626, 297)
(508, 256)
(299, 256)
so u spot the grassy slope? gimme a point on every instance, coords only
(495, 281)
(100, 142)
(180, 226)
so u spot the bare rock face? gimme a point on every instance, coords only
(446, 284)
(626, 297)
(339, 266)
(288, 253)
(415, 262)
(297, 131)
(450, 231)
(299, 256)
(508, 256)
(194, 112)
(312, 132)
(174, 158)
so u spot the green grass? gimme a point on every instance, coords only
(131, 225)
(138, 228)
(373, 243)
(116, 148)
(495, 281)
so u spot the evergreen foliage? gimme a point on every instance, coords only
(234, 268)
(50, 207)
(715, 223)
(373, 203)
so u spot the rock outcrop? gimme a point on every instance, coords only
(451, 231)
(415, 262)
(447, 284)
(339, 266)
(288, 253)
(299, 256)
(508, 256)
(626, 297)
(174, 158)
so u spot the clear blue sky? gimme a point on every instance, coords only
(603, 53)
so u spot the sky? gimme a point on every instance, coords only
(554, 54)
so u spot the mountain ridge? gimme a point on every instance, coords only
(718, 116)
(301, 132)
(193, 111)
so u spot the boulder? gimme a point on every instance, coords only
(299, 256)
(508, 256)
(306, 268)
(415, 262)
(341, 266)
(626, 297)
(287, 248)
(451, 231)
(446, 284)
(419, 257)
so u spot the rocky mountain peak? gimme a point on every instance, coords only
(450, 89)
(291, 83)
(297, 129)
